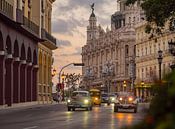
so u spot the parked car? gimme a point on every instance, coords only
(126, 100)
(79, 99)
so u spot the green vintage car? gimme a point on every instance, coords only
(79, 99)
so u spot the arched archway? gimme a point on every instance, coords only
(16, 49)
(23, 52)
(1, 42)
(8, 75)
(29, 55)
(35, 57)
(23, 74)
(16, 71)
(29, 75)
(1, 70)
(8, 45)
(35, 70)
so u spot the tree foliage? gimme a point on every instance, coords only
(158, 12)
(161, 114)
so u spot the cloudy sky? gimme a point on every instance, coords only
(69, 22)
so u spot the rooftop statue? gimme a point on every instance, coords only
(92, 7)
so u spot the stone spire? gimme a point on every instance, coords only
(92, 28)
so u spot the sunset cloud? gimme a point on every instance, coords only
(69, 23)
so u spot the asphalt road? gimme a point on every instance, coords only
(57, 117)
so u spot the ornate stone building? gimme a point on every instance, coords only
(147, 67)
(109, 55)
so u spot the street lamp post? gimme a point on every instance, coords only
(88, 77)
(108, 72)
(160, 62)
(59, 75)
(142, 86)
(124, 86)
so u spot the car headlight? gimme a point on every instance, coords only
(68, 101)
(120, 98)
(86, 101)
(130, 99)
(112, 98)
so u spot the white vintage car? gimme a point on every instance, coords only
(79, 99)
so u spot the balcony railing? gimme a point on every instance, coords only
(6, 8)
(30, 25)
(47, 36)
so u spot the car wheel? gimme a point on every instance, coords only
(91, 108)
(69, 109)
(73, 109)
(135, 110)
(115, 109)
(88, 109)
(108, 104)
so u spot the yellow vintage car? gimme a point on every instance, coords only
(96, 96)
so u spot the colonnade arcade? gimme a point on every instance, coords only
(18, 70)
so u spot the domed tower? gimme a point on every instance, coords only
(127, 15)
(92, 27)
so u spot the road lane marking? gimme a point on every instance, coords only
(32, 127)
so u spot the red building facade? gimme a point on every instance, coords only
(18, 61)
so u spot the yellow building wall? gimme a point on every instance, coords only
(44, 74)
(147, 54)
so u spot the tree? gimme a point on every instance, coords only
(161, 114)
(157, 12)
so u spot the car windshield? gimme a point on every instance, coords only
(112, 95)
(79, 94)
(95, 94)
(104, 95)
(125, 94)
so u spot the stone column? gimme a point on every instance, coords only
(2, 78)
(137, 92)
(23, 83)
(34, 83)
(9, 80)
(16, 80)
(29, 82)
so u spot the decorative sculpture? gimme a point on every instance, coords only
(92, 7)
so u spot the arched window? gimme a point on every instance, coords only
(126, 50)
(129, 20)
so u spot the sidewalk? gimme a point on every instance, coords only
(26, 105)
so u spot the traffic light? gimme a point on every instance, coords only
(78, 64)
(58, 86)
